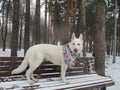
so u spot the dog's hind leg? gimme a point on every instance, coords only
(28, 76)
(32, 67)
(30, 71)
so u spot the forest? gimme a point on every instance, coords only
(24, 23)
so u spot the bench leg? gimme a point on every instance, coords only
(104, 88)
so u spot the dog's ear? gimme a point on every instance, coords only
(73, 36)
(81, 37)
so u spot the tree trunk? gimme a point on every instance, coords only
(119, 30)
(27, 27)
(108, 47)
(66, 27)
(21, 18)
(55, 23)
(83, 24)
(51, 23)
(74, 6)
(45, 32)
(6, 25)
(100, 38)
(37, 22)
(15, 28)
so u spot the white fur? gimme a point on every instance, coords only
(37, 53)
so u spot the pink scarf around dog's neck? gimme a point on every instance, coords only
(67, 53)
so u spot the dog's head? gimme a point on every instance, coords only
(76, 44)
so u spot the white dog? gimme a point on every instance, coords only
(59, 55)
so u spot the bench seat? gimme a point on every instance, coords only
(75, 82)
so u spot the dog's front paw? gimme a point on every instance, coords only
(35, 80)
(66, 82)
(31, 82)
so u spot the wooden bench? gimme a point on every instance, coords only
(81, 77)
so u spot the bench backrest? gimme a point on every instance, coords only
(83, 65)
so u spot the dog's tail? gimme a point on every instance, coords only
(21, 68)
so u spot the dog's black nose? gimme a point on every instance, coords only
(76, 50)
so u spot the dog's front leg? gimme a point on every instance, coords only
(63, 72)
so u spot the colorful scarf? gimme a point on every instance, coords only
(69, 56)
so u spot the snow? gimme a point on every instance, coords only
(7, 52)
(112, 70)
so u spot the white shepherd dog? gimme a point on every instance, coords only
(59, 55)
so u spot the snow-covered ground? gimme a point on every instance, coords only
(112, 70)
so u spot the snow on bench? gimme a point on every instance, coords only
(82, 76)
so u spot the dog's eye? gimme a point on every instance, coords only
(78, 44)
(73, 43)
